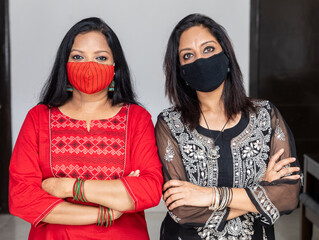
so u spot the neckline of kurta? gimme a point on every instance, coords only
(103, 119)
(88, 125)
(231, 132)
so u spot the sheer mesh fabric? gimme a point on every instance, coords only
(280, 196)
(171, 160)
(282, 193)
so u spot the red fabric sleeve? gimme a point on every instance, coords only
(27, 200)
(145, 190)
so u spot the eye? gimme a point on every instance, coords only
(77, 57)
(187, 56)
(209, 49)
(101, 58)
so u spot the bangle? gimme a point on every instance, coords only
(231, 197)
(78, 190)
(107, 222)
(214, 200)
(105, 217)
(112, 215)
(98, 221)
(221, 199)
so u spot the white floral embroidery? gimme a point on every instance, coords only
(169, 154)
(195, 150)
(279, 133)
(264, 202)
(250, 151)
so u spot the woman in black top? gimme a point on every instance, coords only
(216, 144)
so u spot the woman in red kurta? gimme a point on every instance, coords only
(97, 133)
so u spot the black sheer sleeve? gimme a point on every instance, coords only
(169, 152)
(281, 196)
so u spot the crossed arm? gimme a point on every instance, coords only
(179, 193)
(190, 202)
(111, 193)
(31, 202)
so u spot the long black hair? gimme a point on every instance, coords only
(181, 95)
(54, 91)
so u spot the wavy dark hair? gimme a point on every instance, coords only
(181, 95)
(54, 91)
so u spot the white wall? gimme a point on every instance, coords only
(143, 27)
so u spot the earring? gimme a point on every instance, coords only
(111, 86)
(69, 88)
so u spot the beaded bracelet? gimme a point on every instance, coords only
(78, 190)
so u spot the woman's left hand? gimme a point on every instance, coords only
(280, 169)
(59, 187)
(179, 193)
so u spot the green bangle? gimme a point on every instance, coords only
(110, 216)
(107, 220)
(82, 191)
(99, 217)
(103, 215)
(75, 190)
(78, 186)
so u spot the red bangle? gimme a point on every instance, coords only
(112, 216)
(74, 186)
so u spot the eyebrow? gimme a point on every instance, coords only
(208, 42)
(187, 49)
(100, 51)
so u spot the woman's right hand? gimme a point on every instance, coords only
(134, 173)
(276, 170)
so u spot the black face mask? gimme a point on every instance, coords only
(206, 74)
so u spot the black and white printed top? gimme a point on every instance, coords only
(244, 152)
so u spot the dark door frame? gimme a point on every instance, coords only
(5, 106)
(254, 48)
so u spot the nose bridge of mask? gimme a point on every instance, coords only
(89, 72)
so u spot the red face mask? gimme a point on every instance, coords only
(89, 77)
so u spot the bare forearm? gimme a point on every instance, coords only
(74, 214)
(233, 213)
(108, 193)
(241, 201)
(111, 194)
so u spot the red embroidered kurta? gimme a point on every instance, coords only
(51, 144)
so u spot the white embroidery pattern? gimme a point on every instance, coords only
(264, 202)
(174, 217)
(194, 148)
(250, 151)
(279, 133)
(169, 154)
(237, 228)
